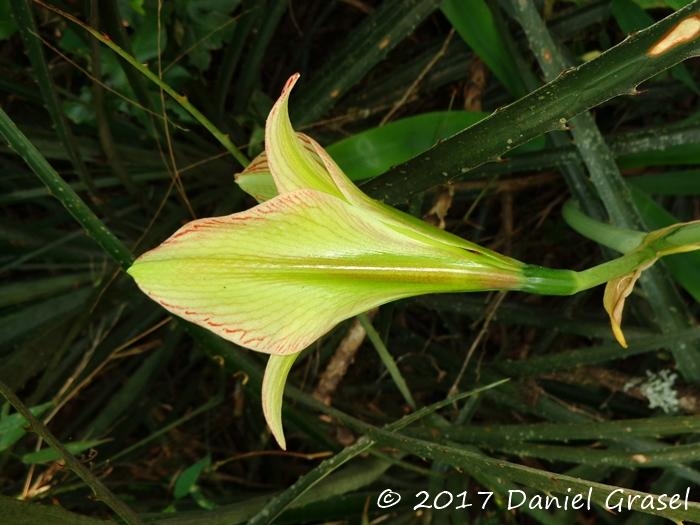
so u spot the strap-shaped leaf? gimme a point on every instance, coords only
(278, 276)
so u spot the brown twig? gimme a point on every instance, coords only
(414, 85)
(342, 358)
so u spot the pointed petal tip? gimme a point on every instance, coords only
(274, 380)
(291, 81)
(616, 291)
(281, 102)
(281, 442)
(617, 332)
(286, 91)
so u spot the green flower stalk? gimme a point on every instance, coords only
(277, 277)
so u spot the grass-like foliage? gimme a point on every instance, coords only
(123, 124)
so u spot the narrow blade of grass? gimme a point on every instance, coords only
(73, 204)
(474, 23)
(30, 36)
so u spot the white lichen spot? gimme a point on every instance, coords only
(686, 30)
(659, 391)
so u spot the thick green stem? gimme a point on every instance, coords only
(549, 281)
(640, 249)
(552, 281)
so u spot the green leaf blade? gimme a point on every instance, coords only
(474, 23)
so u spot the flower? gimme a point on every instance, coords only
(277, 277)
(280, 275)
(317, 251)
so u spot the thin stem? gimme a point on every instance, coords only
(109, 11)
(363, 48)
(250, 70)
(100, 490)
(232, 55)
(614, 269)
(104, 130)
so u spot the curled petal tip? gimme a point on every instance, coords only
(616, 292)
(290, 83)
(619, 336)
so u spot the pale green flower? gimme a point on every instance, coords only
(277, 277)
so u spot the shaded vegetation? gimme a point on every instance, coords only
(166, 418)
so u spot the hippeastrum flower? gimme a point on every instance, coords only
(280, 275)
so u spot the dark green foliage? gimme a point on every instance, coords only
(161, 422)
